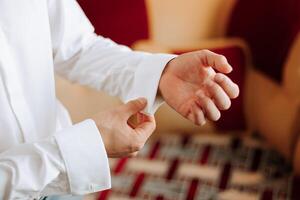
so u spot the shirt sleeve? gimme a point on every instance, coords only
(82, 56)
(73, 161)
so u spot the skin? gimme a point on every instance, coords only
(193, 84)
(203, 91)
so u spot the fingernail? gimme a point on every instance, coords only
(202, 123)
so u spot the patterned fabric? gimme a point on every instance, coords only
(202, 167)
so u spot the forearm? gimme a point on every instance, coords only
(117, 70)
(83, 57)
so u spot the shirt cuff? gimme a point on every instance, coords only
(146, 80)
(85, 158)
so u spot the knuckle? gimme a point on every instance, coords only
(205, 51)
(220, 77)
(205, 103)
(214, 87)
(222, 58)
(136, 147)
(136, 105)
(202, 53)
(131, 105)
(211, 86)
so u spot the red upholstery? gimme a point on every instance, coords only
(269, 27)
(232, 119)
(124, 21)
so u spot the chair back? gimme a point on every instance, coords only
(124, 21)
(291, 75)
(269, 27)
(177, 22)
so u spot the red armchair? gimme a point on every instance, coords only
(270, 28)
(266, 32)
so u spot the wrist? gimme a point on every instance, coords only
(162, 78)
(100, 128)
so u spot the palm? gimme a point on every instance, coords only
(184, 83)
(188, 77)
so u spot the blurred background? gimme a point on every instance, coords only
(253, 152)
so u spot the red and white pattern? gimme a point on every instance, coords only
(204, 167)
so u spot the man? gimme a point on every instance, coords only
(42, 154)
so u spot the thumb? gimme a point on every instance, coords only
(216, 61)
(134, 106)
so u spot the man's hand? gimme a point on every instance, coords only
(120, 138)
(191, 86)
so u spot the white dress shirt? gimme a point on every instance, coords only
(42, 153)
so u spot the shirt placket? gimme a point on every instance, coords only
(14, 90)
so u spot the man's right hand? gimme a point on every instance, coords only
(121, 139)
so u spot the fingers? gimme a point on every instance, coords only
(123, 137)
(216, 100)
(134, 139)
(141, 134)
(199, 116)
(196, 115)
(191, 117)
(146, 128)
(133, 107)
(136, 119)
(228, 86)
(220, 98)
(216, 61)
(209, 108)
(141, 118)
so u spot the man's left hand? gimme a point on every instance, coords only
(191, 85)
